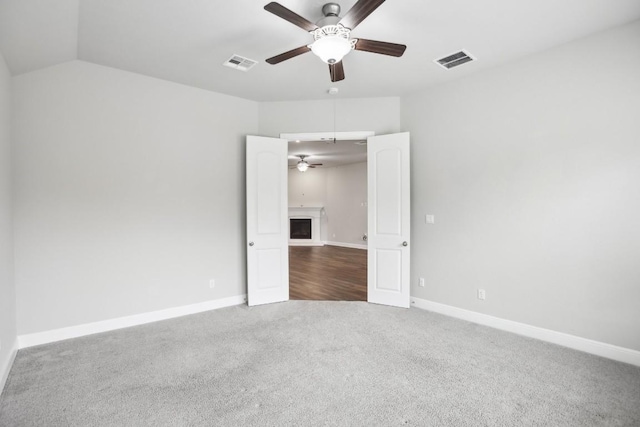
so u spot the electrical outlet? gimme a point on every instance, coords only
(430, 219)
(482, 294)
(212, 283)
(421, 282)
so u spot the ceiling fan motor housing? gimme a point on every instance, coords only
(331, 9)
(331, 12)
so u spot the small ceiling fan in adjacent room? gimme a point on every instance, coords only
(332, 35)
(303, 165)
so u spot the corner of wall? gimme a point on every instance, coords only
(8, 333)
(5, 367)
(609, 351)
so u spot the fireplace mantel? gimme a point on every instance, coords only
(311, 212)
(305, 211)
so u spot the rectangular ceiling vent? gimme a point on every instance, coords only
(240, 63)
(454, 60)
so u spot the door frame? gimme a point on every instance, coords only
(318, 136)
(327, 136)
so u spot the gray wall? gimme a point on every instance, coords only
(347, 203)
(532, 171)
(7, 288)
(129, 195)
(307, 188)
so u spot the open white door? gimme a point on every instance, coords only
(267, 228)
(389, 220)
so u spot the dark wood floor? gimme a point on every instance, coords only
(327, 273)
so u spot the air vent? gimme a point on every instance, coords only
(455, 59)
(240, 63)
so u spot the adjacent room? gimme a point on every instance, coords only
(327, 204)
(483, 246)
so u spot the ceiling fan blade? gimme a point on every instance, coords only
(286, 14)
(288, 55)
(315, 164)
(337, 71)
(384, 48)
(359, 12)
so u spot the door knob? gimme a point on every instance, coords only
(250, 243)
(405, 243)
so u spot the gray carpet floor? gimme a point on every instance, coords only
(312, 363)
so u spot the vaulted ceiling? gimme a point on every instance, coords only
(187, 41)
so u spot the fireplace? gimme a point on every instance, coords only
(300, 228)
(305, 225)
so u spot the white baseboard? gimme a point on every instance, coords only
(347, 245)
(598, 348)
(4, 372)
(45, 337)
(291, 243)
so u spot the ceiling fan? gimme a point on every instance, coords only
(303, 165)
(331, 35)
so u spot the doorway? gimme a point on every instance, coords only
(388, 229)
(330, 192)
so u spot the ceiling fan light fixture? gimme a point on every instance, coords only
(331, 43)
(302, 166)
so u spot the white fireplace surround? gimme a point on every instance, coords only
(312, 213)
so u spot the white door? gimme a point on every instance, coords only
(267, 228)
(389, 220)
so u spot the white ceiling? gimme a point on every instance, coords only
(186, 42)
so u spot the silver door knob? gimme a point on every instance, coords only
(405, 243)
(250, 243)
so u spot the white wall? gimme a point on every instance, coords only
(7, 287)
(346, 205)
(307, 188)
(532, 171)
(130, 195)
(381, 115)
